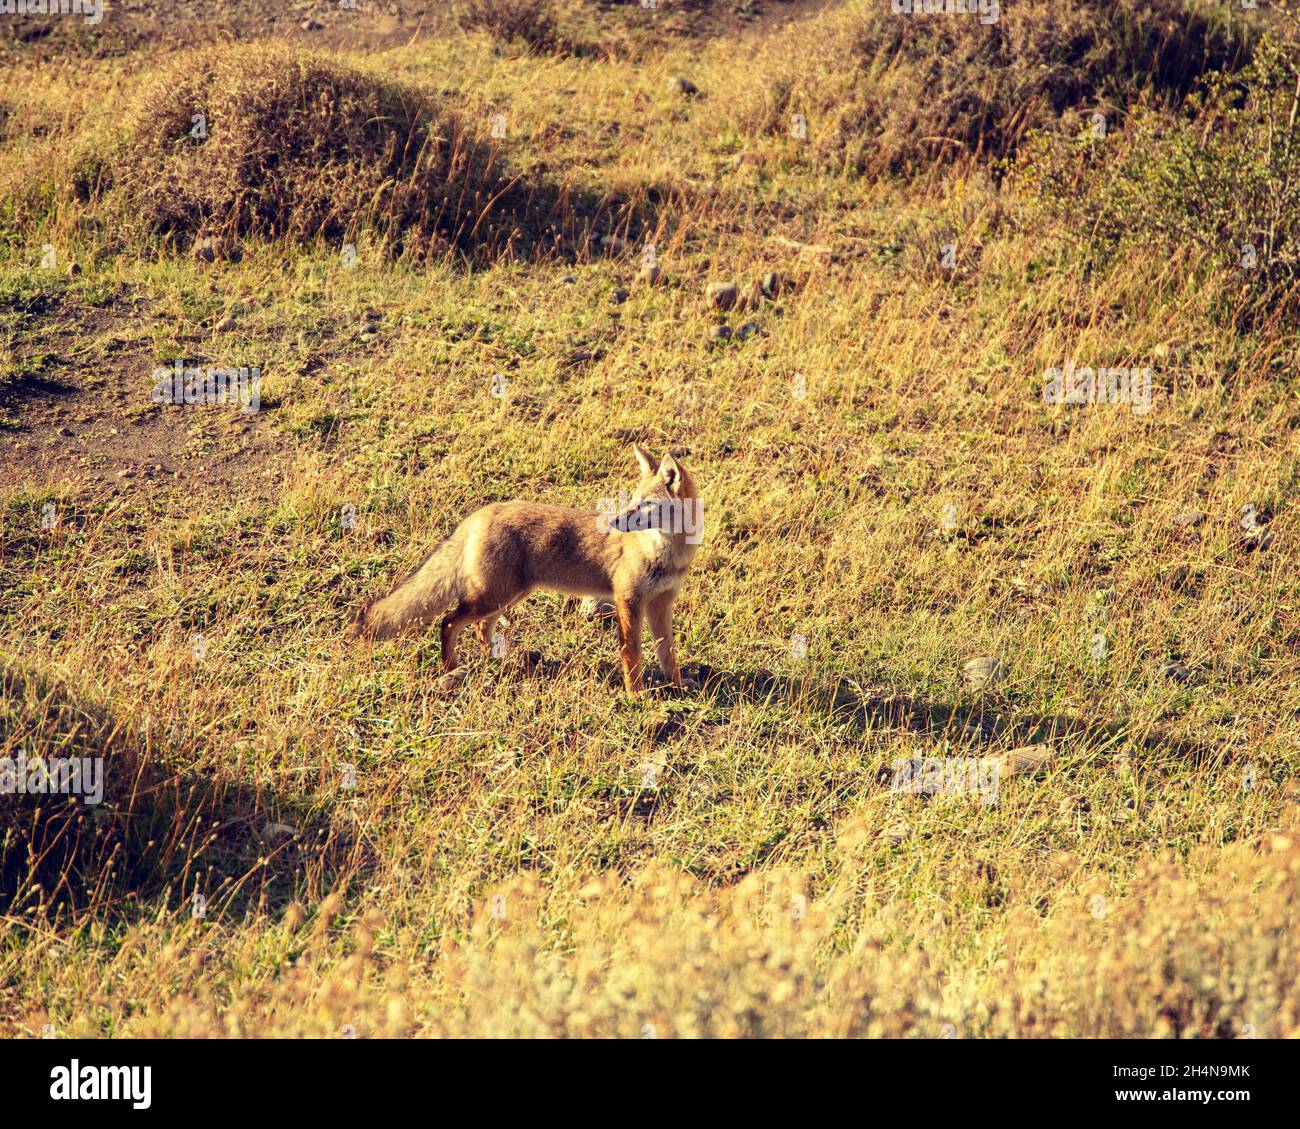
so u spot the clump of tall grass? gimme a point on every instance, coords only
(277, 143)
(1221, 182)
(532, 21)
(1205, 947)
(897, 93)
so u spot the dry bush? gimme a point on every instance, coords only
(1197, 949)
(1218, 179)
(898, 93)
(305, 148)
(532, 21)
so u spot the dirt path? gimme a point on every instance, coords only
(78, 413)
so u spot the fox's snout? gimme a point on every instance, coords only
(633, 520)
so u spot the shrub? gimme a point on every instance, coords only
(897, 93)
(1222, 182)
(532, 21)
(304, 148)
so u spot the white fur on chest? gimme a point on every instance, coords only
(668, 562)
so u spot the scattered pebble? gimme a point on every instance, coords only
(593, 608)
(1029, 760)
(1074, 805)
(771, 285)
(722, 295)
(1177, 672)
(651, 275)
(749, 329)
(1189, 519)
(620, 296)
(720, 333)
(210, 248)
(226, 324)
(983, 672)
(683, 86)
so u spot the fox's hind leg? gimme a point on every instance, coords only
(485, 627)
(482, 612)
(452, 624)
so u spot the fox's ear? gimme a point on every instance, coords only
(671, 473)
(644, 461)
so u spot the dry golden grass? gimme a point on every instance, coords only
(531, 853)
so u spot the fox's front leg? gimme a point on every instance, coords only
(629, 635)
(661, 628)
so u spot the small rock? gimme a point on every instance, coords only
(128, 473)
(1029, 760)
(1072, 806)
(210, 248)
(771, 285)
(1177, 672)
(651, 275)
(683, 86)
(612, 245)
(225, 325)
(983, 672)
(749, 329)
(311, 25)
(568, 280)
(722, 295)
(74, 269)
(593, 608)
(620, 296)
(1257, 540)
(1189, 519)
(897, 832)
(720, 333)
(66, 432)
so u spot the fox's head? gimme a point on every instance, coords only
(664, 499)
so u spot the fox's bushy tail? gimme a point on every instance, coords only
(428, 591)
